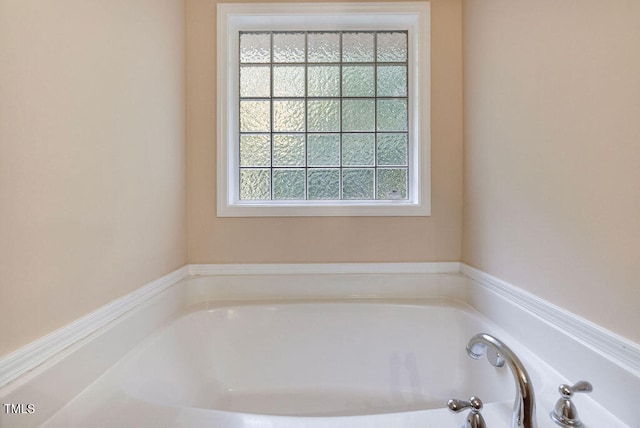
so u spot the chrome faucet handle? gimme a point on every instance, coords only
(565, 413)
(474, 419)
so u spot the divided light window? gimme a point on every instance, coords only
(323, 115)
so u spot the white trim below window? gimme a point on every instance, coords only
(236, 17)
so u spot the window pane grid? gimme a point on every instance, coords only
(301, 123)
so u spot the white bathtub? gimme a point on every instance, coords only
(300, 351)
(305, 365)
(315, 360)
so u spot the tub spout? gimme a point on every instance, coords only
(524, 409)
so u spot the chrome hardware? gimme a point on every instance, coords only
(474, 419)
(524, 408)
(565, 414)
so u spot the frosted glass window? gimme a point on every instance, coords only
(255, 184)
(323, 115)
(358, 149)
(288, 183)
(288, 150)
(254, 116)
(392, 115)
(324, 47)
(392, 46)
(288, 47)
(255, 82)
(288, 115)
(392, 149)
(392, 81)
(358, 183)
(323, 150)
(358, 115)
(288, 81)
(358, 47)
(255, 150)
(392, 183)
(357, 81)
(323, 80)
(255, 48)
(323, 183)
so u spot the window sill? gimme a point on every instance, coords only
(387, 208)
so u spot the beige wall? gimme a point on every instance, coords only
(92, 180)
(328, 239)
(92, 157)
(552, 152)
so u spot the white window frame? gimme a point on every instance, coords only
(235, 17)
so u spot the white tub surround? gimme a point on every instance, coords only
(92, 383)
(570, 344)
(51, 371)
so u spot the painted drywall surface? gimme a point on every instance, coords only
(552, 148)
(92, 180)
(325, 239)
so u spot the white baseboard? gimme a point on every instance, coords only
(619, 350)
(36, 353)
(323, 268)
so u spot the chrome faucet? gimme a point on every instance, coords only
(474, 419)
(524, 409)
